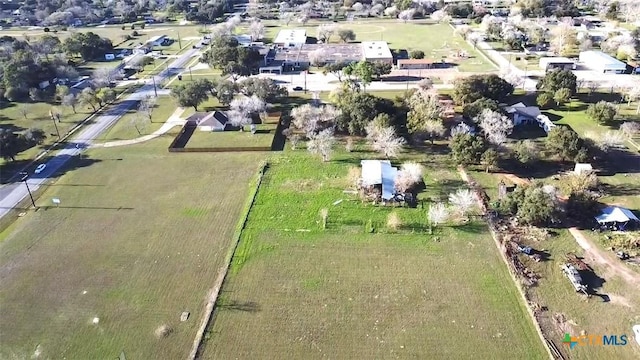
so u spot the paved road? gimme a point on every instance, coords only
(12, 194)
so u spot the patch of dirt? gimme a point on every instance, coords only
(163, 331)
(596, 255)
(619, 300)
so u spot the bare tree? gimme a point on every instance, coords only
(325, 31)
(140, 123)
(461, 128)
(55, 114)
(287, 17)
(311, 119)
(438, 214)
(391, 11)
(593, 86)
(384, 140)
(243, 109)
(409, 176)
(463, 201)
(563, 37)
(406, 15)
(317, 57)
(630, 128)
(376, 10)
(24, 110)
(146, 106)
(256, 29)
(610, 140)
(495, 126)
(293, 138)
(425, 84)
(70, 100)
(322, 144)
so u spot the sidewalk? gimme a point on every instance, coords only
(173, 120)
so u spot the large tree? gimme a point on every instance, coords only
(232, 59)
(88, 45)
(602, 112)
(472, 88)
(191, 94)
(358, 109)
(558, 79)
(264, 88)
(466, 148)
(564, 142)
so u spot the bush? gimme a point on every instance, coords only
(46, 30)
(417, 54)
(544, 100)
(133, 26)
(602, 112)
(135, 33)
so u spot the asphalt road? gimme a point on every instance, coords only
(12, 194)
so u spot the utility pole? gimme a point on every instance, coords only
(190, 74)
(179, 41)
(56, 126)
(24, 179)
(154, 86)
(305, 81)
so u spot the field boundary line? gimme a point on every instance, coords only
(217, 286)
(543, 339)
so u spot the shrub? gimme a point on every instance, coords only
(417, 54)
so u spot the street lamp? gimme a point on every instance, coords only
(24, 178)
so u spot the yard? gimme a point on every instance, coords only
(124, 128)
(414, 35)
(231, 139)
(138, 238)
(36, 116)
(298, 291)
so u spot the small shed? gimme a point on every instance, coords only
(616, 215)
(552, 63)
(583, 168)
(380, 173)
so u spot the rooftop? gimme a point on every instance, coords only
(297, 36)
(376, 50)
(415, 61)
(331, 53)
(601, 58)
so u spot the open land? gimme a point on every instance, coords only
(344, 292)
(139, 237)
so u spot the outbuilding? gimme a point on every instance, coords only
(406, 64)
(552, 63)
(602, 63)
(291, 37)
(376, 51)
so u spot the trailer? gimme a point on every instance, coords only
(574, 277)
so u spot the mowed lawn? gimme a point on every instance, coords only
(140, 237)
(436, 40)
(298, 291)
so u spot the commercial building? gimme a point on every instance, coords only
(552, 63)
(602, 63)
(406, 64)
(291, 37)
(376, 51)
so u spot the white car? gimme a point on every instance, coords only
(39, 169)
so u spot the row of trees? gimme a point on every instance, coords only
(194, 93)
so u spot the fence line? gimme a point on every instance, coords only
(219, 283)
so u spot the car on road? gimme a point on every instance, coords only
(297, 88)
(39, 169)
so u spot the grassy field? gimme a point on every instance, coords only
(123, 129)
(139, 238)
(436, 40)
(231, 139)
(37, 117)
(298, 291)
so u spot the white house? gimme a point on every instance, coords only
(212, 121)
(522, 114)
(376, 51)
(602, 63)
(291, 37)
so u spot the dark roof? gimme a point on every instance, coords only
(215, 119)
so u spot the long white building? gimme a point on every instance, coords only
(601, 62)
